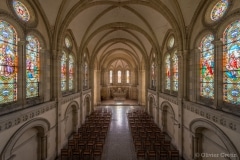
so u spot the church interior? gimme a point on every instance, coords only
(117, 79)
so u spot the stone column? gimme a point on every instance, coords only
(57, 95)
(21, 76)
(43, 72)
(43, 147)
(171, 74)
(184, 72)
(180, 100)
(196, 146)
(196, 77)
(218, 74)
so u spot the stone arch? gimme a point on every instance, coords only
(198, 125)
(167, 118)
(87, 104)
(71, 118)
(41, 125)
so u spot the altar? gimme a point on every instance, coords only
(119, 94)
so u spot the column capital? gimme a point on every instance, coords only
(217, 42)
(22, 42)
(56, 55)
(182, 54)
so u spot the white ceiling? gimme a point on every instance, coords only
(105, 26)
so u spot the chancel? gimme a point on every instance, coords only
(119, 79)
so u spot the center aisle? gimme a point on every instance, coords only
(119, 144)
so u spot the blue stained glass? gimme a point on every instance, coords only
(21, 10)
(167, 73)
(207, 67)
(32, 66)
(219, 10)
(8, 63)
(231, 63)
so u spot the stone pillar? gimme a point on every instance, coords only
(171, 74)
(184, 66)
(196, 77)
(180, 100)
(79, 76)
(218, 76)
(57, 95)
(196, 147)
(21, 76)
(43, 72)
(43, 147)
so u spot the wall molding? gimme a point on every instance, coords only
(87, 91)
(70, 98)
(170, 98)
(213, 115)
(16, 118)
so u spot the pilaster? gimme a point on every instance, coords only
(21, 94)
(218, 76)
(57, 96)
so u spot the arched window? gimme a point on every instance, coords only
(119, 76)
(85, 73)
(171, 42)
(21, 10)
(207, 67)
(64, 72)
(127, 76)
(219, 10)
(231, 63)
(153, 74)
(8, 63)
(175, 72)
(167, 72)
(110, 76)
(68, 43)
(71, 72)
(32, 66)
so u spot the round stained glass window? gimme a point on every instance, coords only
(219, 10)
(171, 42)
(21, 10)
(68, 42)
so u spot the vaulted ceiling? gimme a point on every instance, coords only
(112, 28)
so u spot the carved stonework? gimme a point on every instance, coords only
(169, 98)
(70, 98)
(26, 115)
(214, 117)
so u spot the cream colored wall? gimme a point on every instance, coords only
(29, 138)
(28, 142)
(211, 143)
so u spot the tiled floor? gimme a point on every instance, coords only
(126, 102)
(119, 144)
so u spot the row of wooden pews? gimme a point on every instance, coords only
(88, 142)
(149, 141)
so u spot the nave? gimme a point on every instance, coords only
(131, 135)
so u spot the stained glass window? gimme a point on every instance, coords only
(167, 72)
(71, 72)
(68, 42)
(110, 76)
(32, 66)
(85, 73)
(171, 42)
(127, 76)
(219, 9)
(175, 72)
(119, 76)
(8, 63)
(21, 10)
(231, 63)
(64, 72)
(207, 67)
(153, 74)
